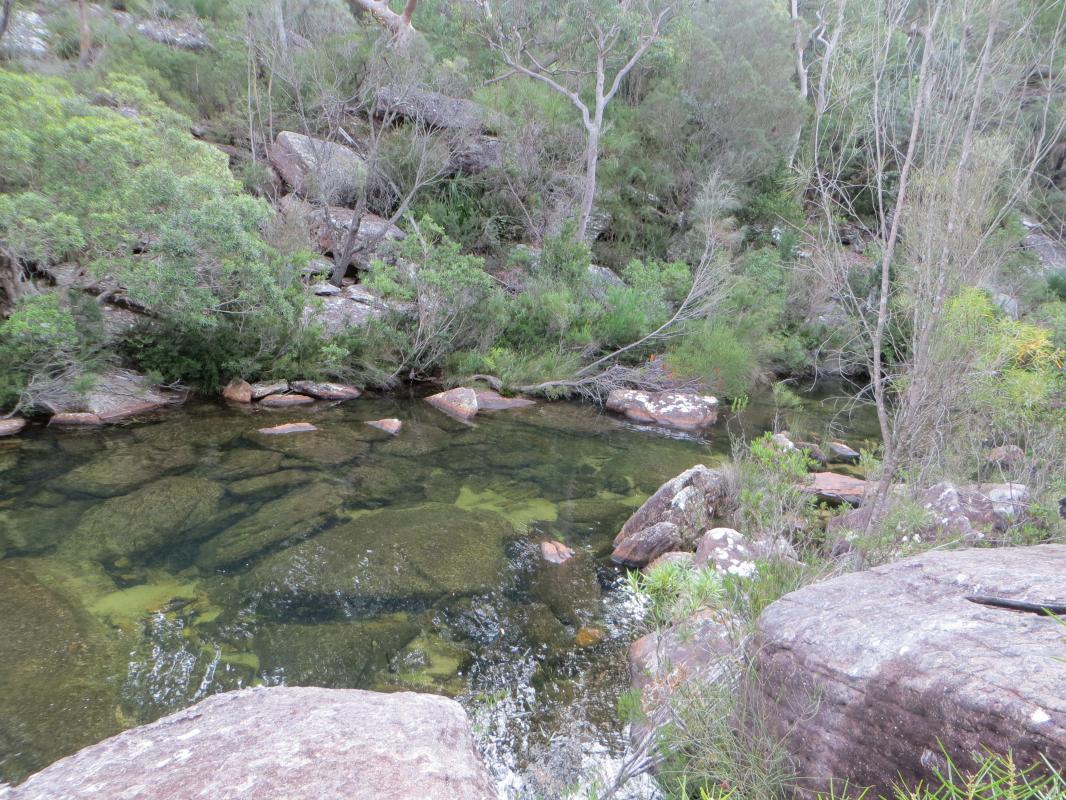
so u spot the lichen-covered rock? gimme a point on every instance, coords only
(165, 512)
(673, 409)
(318, 170)
(868, 676)
(383, 558)
(687, 502)
(183, 34)
(264, 388)
(435, 110)
(727, 552)
(326, 391)
(299, 743)
(460, 402)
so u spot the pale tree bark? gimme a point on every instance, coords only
(5, 17)
(607, 40)
(85, 48)
(398, 25)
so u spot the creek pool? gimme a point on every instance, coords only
(143, 567)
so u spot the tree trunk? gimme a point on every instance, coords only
(6, 18)
(86, 44)
(588, 196)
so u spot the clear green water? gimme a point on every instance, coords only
(147, 566)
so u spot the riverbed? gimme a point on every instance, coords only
(146, 566)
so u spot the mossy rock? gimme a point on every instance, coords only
(608, 512)
(341, 653)
(270, 484)
(393, 558)
(59, 673)
(430, 663)
(39, 522)
(571, 589)
(118, 470)
(161, 514)
(520, 503)
(246, 462)
(416, 439)
(204, 425)
(323, 447)
(297, 514)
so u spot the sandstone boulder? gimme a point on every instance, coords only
(351, 307)
(686, 502)
(673, 409)
(291, 742)
(116, 395)
(555, 552)
(11, 426)
(435, 110)
(317, 169)
(27, 35)
(647, 544)
(238, 392)
(264, 388)
(488, 400)
(869, 674)
(288, 427)
(460, 402)
(842, 453)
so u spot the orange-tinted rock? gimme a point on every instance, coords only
(556, 552)
(326, 391)
(488, 400)
(388, 425)
(586, 637)
(836, 488)
(238, 392)
(460, 402)
(285, 400)
(674, 409)
(76, 419)
(289, 427)
(9, 427)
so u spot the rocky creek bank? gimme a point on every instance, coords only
(872, 676)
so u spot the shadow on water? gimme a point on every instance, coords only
(145, 567)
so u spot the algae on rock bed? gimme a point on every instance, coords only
(159, 515)
(389, 558)
(57, 660)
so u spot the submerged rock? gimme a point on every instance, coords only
(296, 514)
(388, 558)
(867, 676)
(285, 400)
(163, 513)
(292, 742)
(112, 472)
(674, 409)
(288, 427)
(56, 664)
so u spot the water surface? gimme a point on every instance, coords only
(144, 567)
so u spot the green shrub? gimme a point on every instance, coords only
(770, 499)
(711, 352)
(676, 590)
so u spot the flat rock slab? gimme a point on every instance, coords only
(391, 425)
(281, 742)
(289, 427)
(285, 400)
(836, 488)
(868, 673)
(116, 395)
(673, 409)
(488, 400)
(75, 419)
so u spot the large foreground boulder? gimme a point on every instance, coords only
(869, 675)
(281, 742)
